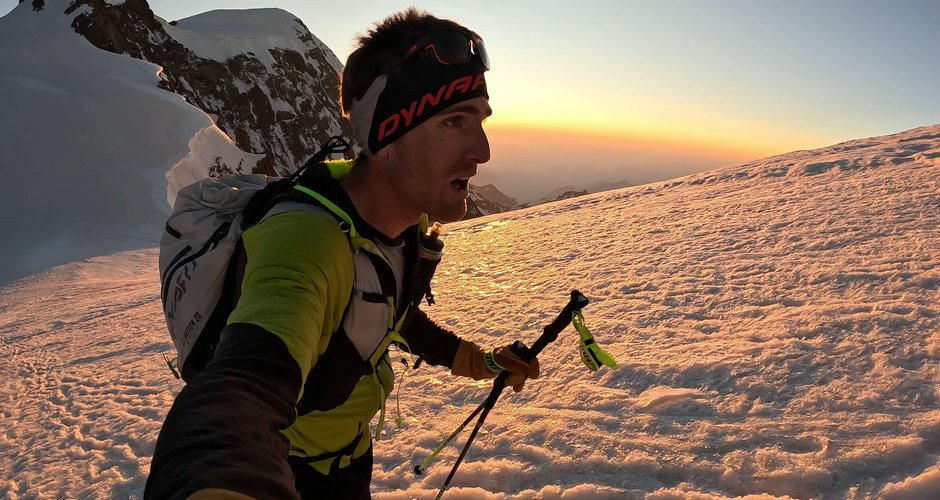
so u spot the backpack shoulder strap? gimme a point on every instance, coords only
(277, 191)
(294, 205)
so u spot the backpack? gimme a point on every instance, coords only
(199, 254)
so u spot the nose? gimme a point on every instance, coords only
(480, 147)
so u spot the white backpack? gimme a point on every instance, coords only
(198, 250)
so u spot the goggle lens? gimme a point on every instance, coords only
(480, 50)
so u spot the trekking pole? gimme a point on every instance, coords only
(549, 334)
(419, 469)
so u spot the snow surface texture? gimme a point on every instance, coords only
(777, 326)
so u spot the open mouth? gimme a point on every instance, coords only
(460, 184)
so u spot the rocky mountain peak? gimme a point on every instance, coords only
(486, 200)
(279, 98)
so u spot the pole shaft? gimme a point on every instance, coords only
(549, 334)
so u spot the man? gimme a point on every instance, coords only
(285, 405)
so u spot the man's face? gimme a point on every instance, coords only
(430, 167)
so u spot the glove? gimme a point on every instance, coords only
(472, 361)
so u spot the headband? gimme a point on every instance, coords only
(408, 95)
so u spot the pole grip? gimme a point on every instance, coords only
(549, 334)
(551, 331)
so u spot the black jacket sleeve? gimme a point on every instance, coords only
(223, 430)
(433, 343)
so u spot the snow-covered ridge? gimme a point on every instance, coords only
(262, 23)
(85, 140)
(93, 144)
(224, 34)
(268, 81)
(778, 337)
(916, 146)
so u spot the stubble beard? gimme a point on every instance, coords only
(411, 182)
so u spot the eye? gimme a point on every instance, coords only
(454, 121)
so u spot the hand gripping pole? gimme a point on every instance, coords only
(549, 334)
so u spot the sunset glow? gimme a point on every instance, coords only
(707, 81)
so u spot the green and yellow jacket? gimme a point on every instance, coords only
(302, 367)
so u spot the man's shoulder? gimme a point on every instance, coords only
(306, 231)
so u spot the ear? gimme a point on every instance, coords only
(382, 157)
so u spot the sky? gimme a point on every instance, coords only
(727, 81)
(776, 327)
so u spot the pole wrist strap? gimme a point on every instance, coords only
(489, 359)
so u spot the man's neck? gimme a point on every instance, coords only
(377, 205)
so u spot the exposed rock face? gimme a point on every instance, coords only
(490, 192)
(278, 101)
(486, 200)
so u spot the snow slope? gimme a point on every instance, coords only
(777, 326)
(87, 137)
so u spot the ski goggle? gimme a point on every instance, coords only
(447, 47)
